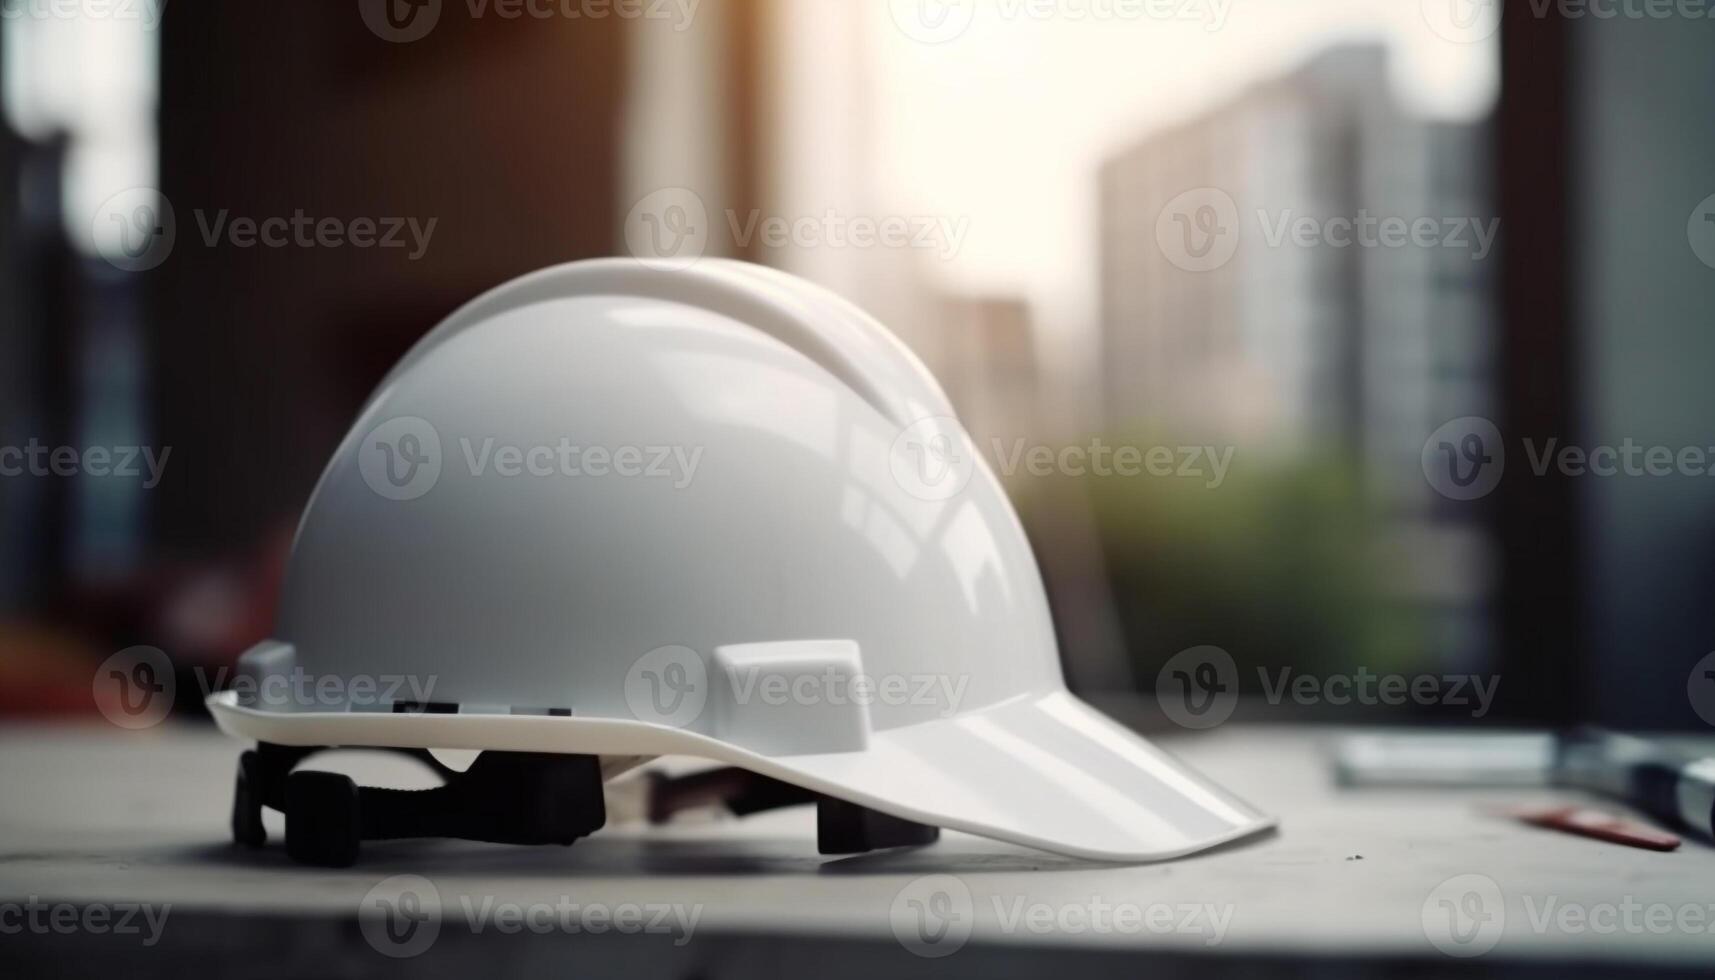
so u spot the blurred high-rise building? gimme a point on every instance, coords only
(984, 355)
(1337, 340)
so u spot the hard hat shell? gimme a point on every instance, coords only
(618, 510)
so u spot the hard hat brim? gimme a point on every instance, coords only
(1045, 771)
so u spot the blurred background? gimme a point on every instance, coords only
(1168, 226)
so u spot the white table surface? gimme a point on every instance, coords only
(92, 814)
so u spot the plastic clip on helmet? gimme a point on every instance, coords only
(606, 513)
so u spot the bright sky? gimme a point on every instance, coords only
(94, 78)
(1008, 121)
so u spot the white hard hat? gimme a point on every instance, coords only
(608, 511)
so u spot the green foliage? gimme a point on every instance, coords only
(1278, 565)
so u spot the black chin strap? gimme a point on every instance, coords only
(513, 798)
(503, 798)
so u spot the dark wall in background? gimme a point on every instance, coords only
(39, 308)
(504, 131)
(1644, 158)
(1544, 642)
(13, 371)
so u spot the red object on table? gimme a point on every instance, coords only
(1587, 822)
